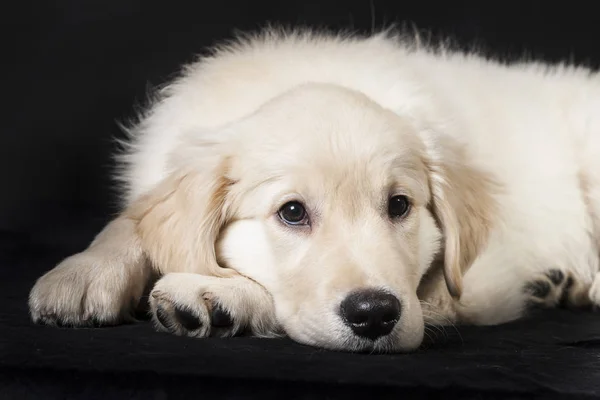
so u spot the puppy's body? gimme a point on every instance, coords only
(536, 129)
(512, 194)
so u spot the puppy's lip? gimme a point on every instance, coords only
(356, 344)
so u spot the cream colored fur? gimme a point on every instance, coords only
(501, 164)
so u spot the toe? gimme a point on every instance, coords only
(187, 319)
(556, 276)
(220, 318)
(162, 316)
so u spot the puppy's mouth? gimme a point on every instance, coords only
(382, 345)
(346, 341)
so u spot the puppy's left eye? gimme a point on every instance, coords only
(398, 206)
(293, 213)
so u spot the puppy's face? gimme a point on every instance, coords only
(328, 209)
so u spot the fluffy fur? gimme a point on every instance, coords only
(501, 164)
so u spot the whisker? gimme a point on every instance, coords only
(441, 317)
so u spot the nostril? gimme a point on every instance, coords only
(370, 313)
(356, 311)
(390, 316)
(358, 318)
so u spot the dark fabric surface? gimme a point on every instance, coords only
(71, 69)
(551, 354)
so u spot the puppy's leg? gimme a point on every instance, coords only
(101, 285)
(195, 305)
(503, 287)
(496, 287)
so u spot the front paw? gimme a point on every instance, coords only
(201, 306)
(84, 290)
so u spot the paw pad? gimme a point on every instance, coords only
(220, 318)
(171, 317)
(538, 289)
(555, 288)
(556, 276)
(181, 320)
(186, 319)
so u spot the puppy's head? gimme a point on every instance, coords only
(327, 200)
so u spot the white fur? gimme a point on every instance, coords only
(533, 128)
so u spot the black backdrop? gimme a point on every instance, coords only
(75, 68)
(72, 68)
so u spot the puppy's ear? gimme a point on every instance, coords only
(463, 203)
(178, 221)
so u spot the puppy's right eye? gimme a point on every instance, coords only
(398, 206)
(293, 213)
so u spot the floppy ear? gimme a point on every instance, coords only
(178, 222)
(463, 203)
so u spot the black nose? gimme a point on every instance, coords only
(370, 313)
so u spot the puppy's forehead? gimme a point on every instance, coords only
(321, 112)
(321, 123)
(320, 138)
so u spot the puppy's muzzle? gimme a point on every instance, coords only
(370, 313)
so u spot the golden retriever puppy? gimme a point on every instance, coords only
(345, 191)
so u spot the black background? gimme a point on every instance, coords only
(72, 69)
(75, 68)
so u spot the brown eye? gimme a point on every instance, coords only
(293, 213)
(398, 206)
